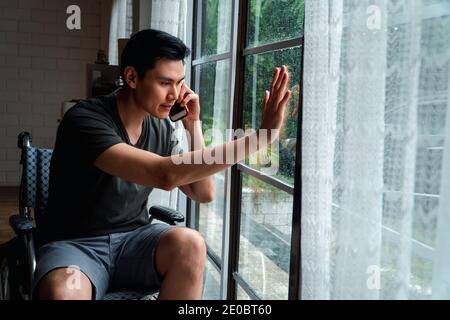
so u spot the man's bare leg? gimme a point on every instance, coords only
(180, 259)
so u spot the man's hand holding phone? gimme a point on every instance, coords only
(187, 106)
(275, 102)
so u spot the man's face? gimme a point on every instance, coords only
(158, 90)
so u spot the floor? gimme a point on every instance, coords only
(9, 204)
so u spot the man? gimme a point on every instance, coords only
(110, 152)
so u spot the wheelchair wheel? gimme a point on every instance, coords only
(4, 279)
(11, 271)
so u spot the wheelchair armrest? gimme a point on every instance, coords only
(166, 214)
(20, 224)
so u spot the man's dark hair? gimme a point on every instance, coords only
(147, 47)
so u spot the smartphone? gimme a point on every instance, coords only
(177, 112)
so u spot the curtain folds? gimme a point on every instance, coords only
(120, 27)
(375, 84)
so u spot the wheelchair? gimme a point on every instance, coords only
(18, 255)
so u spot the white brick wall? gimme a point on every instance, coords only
(42, 63)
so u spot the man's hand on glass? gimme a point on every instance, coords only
(275, 102)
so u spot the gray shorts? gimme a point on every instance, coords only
(116, 261)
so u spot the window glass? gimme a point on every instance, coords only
(258, 76)
(241, 294)
(214, 35)
(265, 237)
(213, 82)
(211, 216)
(273, 21)
(211, 282)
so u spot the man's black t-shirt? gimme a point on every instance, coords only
(83, 200)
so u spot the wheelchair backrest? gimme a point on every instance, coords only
(35, 177)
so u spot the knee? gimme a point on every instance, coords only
(187, 246)
(65, 284)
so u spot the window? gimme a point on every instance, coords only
(213, 27)
(211, 288)
(274, 21)
(266, 208)
(375, 149)
(265, 237)
(211, 70)
(258, 74)
(213, 83)
(237, 44)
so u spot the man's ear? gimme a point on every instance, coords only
(130, 75)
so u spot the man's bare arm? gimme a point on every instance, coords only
(134, 165)
(151, 170)
(197, 169)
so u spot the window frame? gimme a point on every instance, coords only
(193, 208)
(233, 176)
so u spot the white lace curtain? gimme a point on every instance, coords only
(170, 16)
(375, 208)
(120, 26)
